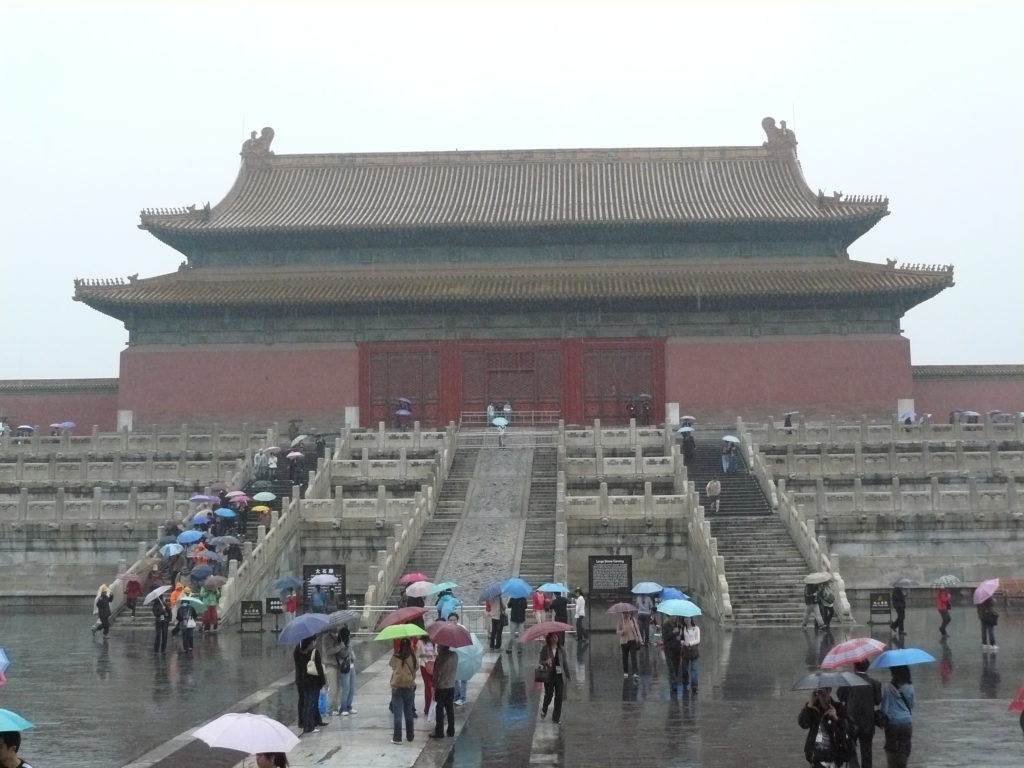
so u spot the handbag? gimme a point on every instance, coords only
(881, 719)
(542, 673)
(504, 619)
(311, 665)
(190, 624)
(691, 652)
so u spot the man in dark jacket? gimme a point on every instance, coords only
(103, 601)
(560, 612)
(861, 702)
(899, 604)
(821, 717)
(671, 637)
(516, 619)
(445, 669)
(161, 624)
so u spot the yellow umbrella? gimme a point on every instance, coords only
(261, 508)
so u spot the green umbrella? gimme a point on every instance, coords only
(197, 603)
(264, 496)
(11, 721)
(398, 631)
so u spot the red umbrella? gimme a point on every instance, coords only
(450, 634)
(542, 629)
(852, 651)
(402, 616)
(409, 578)
(622, 608)
(1017, 705)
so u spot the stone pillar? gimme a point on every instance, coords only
(261, 532)
(820, 499)
(339, 501)
(790, 459)
(832, 428)
(936, 497)
(83, 468)
(59, 505)
(133, 502)
(926, 458)
(403, 463)
(648, 500)
(897, 495)
(597, 434)
(994, 462)
(602, 499)
(858, 457)
(170, 503)
(364, 463)
(19, 470)
(115, 468)
(864, 428)
(858, 494)
(183, 439)
(382, 502)
(823, 454)
(274, 517)
(972, 493)
(959, 451)
(351, 416)
(671, 416)
(215, 441)
(51, 468)
(97, 504)
(233, 568)
(1011, 494)
(801, 428)
(892, 457)
(142, 549)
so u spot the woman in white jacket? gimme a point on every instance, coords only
(690, 653)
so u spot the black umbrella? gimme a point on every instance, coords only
(831, 679)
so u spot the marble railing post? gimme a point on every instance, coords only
(994, 463)
(261, 531)
(169, 501)
(602, 499)
(59, 504)
(133, 502)
(97, 505)
(19, 471)
(864, 431)
(933, 487)
(1012, 502)
(858, 458)
(897, 495)
(926, 457)
(403, 463)
(51, 468)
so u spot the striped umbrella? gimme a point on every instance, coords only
(852, 651)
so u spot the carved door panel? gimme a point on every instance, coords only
(403, 373)
(613, 377)
(526, 375)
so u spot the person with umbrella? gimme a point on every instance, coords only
(811, 610)
(403, 690)
(628, 632)
(271, 760)
(860, 702)
(943, 603)
(101, 607)
(552, 657)
(187, 619)
(516, 619)
(560, 612)
(823, 718)
(132, 593)
(989, 617)
(210, 597)
(495, 610)
(897, 708)
(309, 679)
(161, 623)
(291, 604)
(445, 667)
(340, 668)
(672, 644)
(689, 653)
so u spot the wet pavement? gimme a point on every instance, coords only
(99, 704)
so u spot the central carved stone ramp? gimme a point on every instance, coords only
(537, 563)
(437, 534)
(764, 568)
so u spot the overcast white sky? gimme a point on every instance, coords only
(109, 108)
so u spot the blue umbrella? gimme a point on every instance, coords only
(685, 430)
(516, 587)
(172, 549)
(200, 520)
(225, 512)
(5, 662)
(552, 587)
(731, 439)
(683, 608)
(288, 582)
(213, 557)
(646, 588)
(671, 593)
(499, 421)
(11, 721)
(438, 588)
(901, 657)
(201, 573)
(491, 591)
(219, 541)
(301, 627)
(471, 659)
(446, 605)
(189, 537)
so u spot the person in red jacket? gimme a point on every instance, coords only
(291, 604)
(942, 605)
(132, 592)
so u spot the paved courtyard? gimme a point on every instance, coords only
(98, 705)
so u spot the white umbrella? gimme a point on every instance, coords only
(247, 733)
(818, 577)
(298, 440)
(155, 594)
(419, 589)
(323, 580)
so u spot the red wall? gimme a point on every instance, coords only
(820, 376)
(235, 384)
(41, 409)
(940, 396)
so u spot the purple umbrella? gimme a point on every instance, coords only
(985, 590)
(403, 412)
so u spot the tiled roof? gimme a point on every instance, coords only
(924, 372)
(514, 285)
(516, 190)
(36, 386)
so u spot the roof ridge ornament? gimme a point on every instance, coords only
(780, 138)
(257, 148)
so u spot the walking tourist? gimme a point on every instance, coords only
(899, 604)
(132, 593)
(210, 598)
(539, 607)
(689, 654)
(426, 657)
(460, 684)
(672, 644)
(897, 707)
(822, 717)
(187, 622)
(628, 631)
(644, 610)
(552, 656)
(309, 679)
(403, 690)
(713, 491)
(495, 608)
(560, 612)
(516, 619)
(580, 616)
(943, 603)
(989, 617)
(826, 604)
(161, 624)
(861, 702)
(445, 668)
(101, 607)
(336, 656)
(291, 605)
(811, 606)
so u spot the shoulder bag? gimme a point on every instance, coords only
(542, 673)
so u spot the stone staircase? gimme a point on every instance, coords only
(741, 494)
(537, 563)
(437, 534)
(763, 566)
(764, 569)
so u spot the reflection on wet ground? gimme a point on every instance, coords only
(103, 704)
